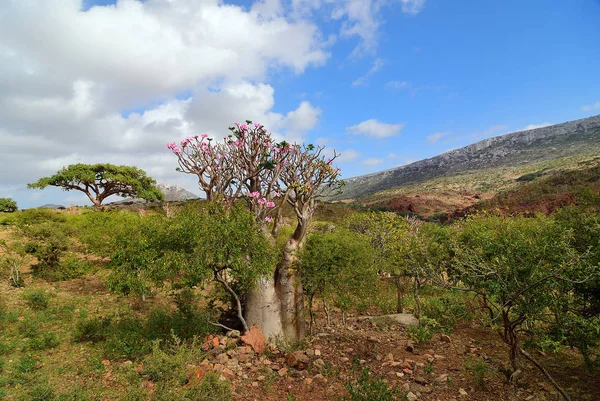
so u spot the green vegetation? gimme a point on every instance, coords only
(8, 205)
(131, 297)
(99, 181)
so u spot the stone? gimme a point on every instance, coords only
(308, 381)
(282, 372)
(389, 357)
(407, 371)
(297, 360)
(439, 357)
(260, 378)
(244, 350)
(234, 334)
(420, 380)
(255, 339)
(222, 358)
(215, 342)
(319, 363)
(443, 378)
(446, 338)
(317, 352)
(410, 396)
(254, 384)
(462, 392)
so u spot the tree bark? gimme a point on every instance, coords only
(400, 300)
(290, 293)
(263, 309)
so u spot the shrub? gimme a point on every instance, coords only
(92, 330)
(37, 299)
(8, 205)
(45, 341)
(366, 388)
(424, 331)
(478, 369)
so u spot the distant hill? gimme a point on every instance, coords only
(173, 193)
(519, 148)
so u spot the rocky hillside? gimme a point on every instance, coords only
(519, 148)
(175, 193)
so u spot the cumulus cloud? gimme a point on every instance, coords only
(589, 107)
(435, 137)
(347, 155)
(373, 161)
(359, 18)
(115, 83)
(375, 129)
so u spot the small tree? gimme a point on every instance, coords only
(248, 164)
(521, 268)
(387, 234)
(337, 266)
(8, 205)
(99, 181)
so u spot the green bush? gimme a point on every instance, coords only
(41, 342)
(8, 205)
(91, 330)
(424, 331)
(37, 299)
(366, 388)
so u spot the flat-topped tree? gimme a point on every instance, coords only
(99, 181)
(248, 164)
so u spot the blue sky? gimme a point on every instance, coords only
(385, 82)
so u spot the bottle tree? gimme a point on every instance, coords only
(248, 164)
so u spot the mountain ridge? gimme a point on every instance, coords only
(522, 147)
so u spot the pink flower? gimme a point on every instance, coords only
(204, 136)
(171, 145)
(276, 194)
(268, 219)
(254, 195)
(243, 127)
(270, 204)
(262, 201)
(177, 150)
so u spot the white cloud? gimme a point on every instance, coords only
(376, 66)
(412, 7)
(373, 161)
(347, 155)
(375, 129)
(533, 126)
(435, 137)
(68, 76)
(590, 107)
(392, 156)
(397, 85)
(359, 18)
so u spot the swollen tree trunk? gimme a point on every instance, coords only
(290, 293)
(263, 308)
(277, 303)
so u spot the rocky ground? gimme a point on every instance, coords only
(465, 365)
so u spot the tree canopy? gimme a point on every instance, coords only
(99, 181)
(8, 205)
